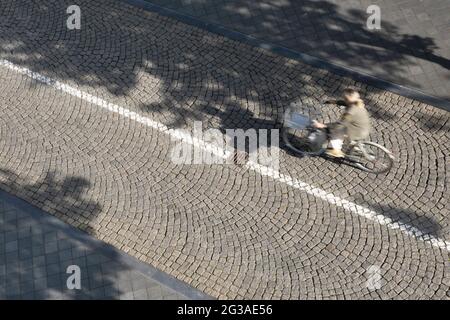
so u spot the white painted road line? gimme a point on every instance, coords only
(173, 133)
(350, 206)
(263, 170)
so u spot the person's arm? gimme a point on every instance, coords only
(345, 118)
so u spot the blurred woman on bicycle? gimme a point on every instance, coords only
(354, 123)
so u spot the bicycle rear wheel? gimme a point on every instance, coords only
(371, 157)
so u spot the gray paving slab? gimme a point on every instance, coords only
(412, 48)
(106, 273)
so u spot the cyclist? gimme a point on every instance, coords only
(354, 123)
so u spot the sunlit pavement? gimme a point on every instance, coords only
(225, 230)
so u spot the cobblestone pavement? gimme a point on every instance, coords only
(412, 48)
(36, 249)
(227, 231)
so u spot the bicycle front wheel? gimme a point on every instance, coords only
(299, 141)
(371, 157)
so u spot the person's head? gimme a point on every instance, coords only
(351, 96)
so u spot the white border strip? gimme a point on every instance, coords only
(263, 170)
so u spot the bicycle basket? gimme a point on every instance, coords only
(296, 121)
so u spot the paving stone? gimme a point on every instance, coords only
(228, 231)
(409, 34)
(42, 277)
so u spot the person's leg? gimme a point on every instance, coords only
(336, 144)
(336, 136)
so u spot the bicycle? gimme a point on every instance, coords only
(304, 139)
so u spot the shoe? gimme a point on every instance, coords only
(335, 153)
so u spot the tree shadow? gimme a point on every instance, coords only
(220, 82)
(433, 122)
(38, 248)
(325, 30)
(53, 193)
(177, 74)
